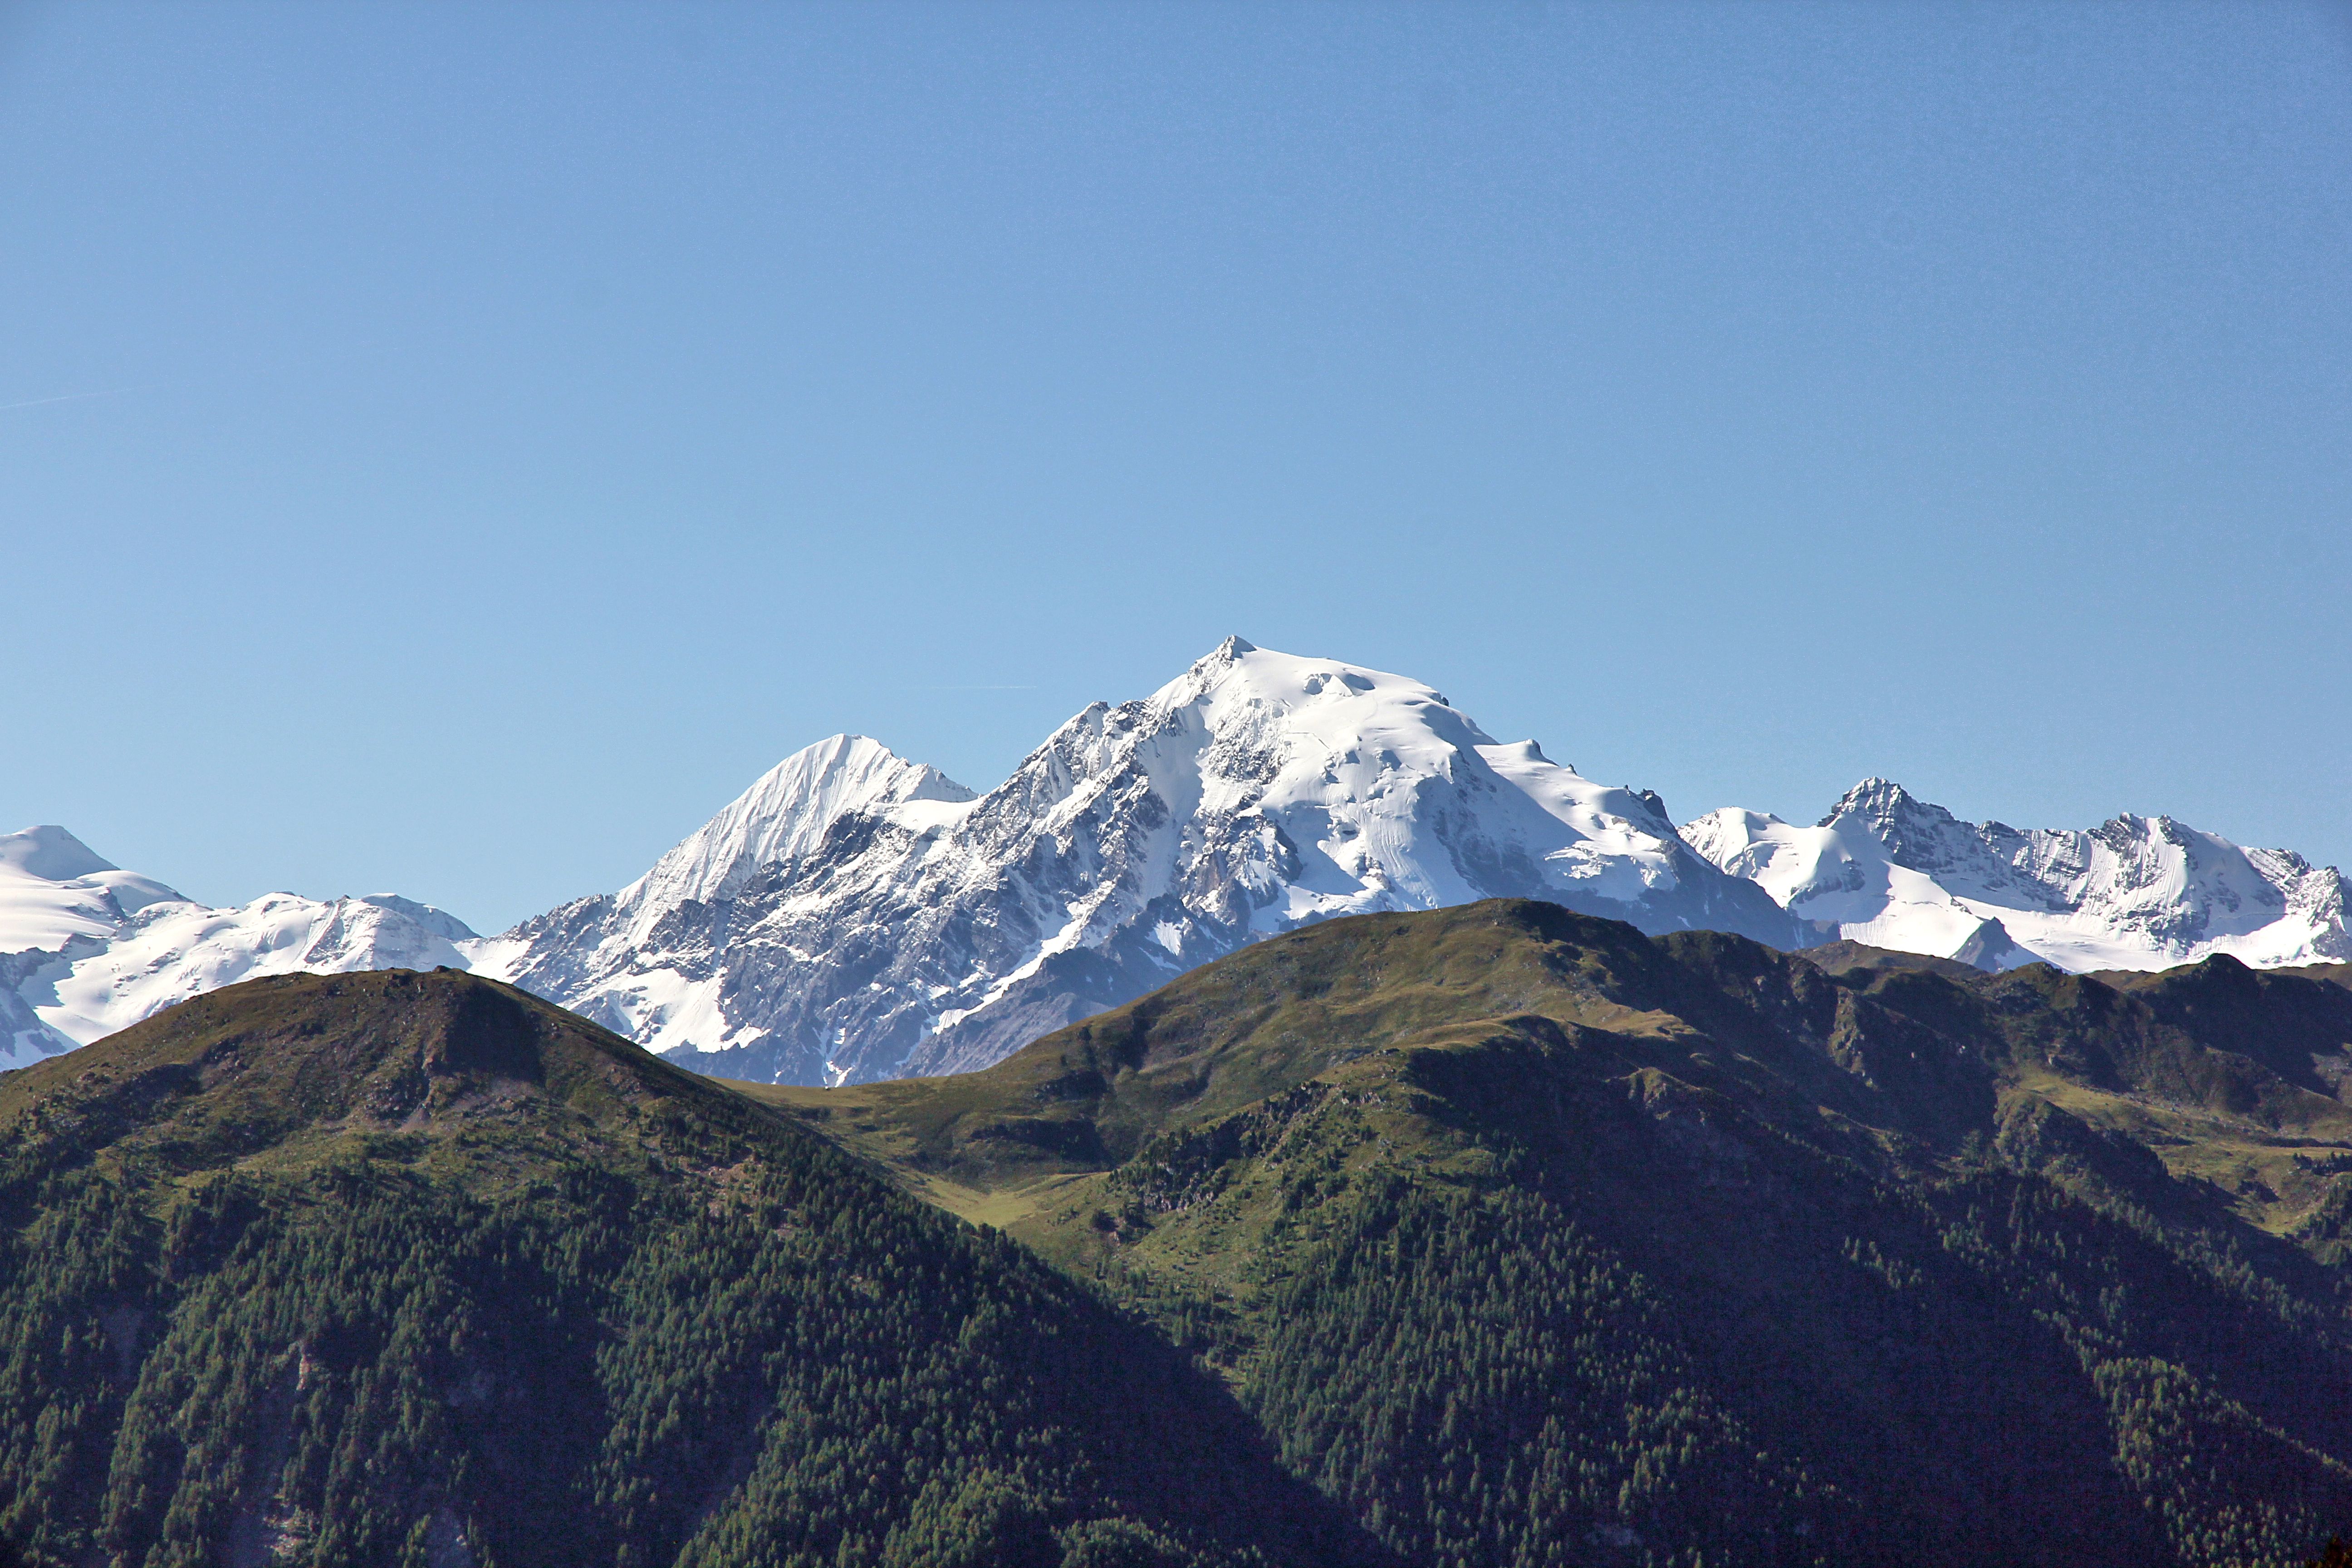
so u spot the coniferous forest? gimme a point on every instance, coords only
(557, 1303)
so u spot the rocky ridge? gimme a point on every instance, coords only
(1888, 869)
(901, 926)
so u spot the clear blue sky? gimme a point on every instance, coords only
(455, 448)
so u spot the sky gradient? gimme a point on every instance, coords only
(454, 449)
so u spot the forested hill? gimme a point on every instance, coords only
(1490, 1238)
(1535, 1240)
(414, 1269)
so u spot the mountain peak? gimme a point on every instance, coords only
(54, 890)
(1875, 799)
(785, 816)
(1212, 667)
(386, 1046)
(438, 921)
(52, 854)
(1889, 869)
(860, 931)
(1259, 688)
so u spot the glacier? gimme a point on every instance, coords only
(86, 948)
(855, 915)
(1890, 870)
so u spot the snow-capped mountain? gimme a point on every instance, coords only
(2138, 892)
(52, 890)
(650, 961)
(856, 916)
(86, 948)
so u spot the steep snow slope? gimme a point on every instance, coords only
(782, 820)
(2138, 892)
(856, 916)
(53, 888)
(647, 960)
(87, 949)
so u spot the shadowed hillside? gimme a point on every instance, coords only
(414, 1269)
(1533, 1239)
(1492, 1236)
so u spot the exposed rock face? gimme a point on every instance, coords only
(2136, 892)
(856, 916)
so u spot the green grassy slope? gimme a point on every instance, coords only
(1534, 1240)
(414, 1269)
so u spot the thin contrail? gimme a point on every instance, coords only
(62, 397)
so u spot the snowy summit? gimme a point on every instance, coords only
(2136, 892)
(857, 915)
(86, 948)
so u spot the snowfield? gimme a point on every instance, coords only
(855, 915)
(91, 948)
(2136, 892)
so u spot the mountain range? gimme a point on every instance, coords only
(1494, 1237)
(856, 916)
(2136, 892)
(88, 949)
(1538, 1240)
